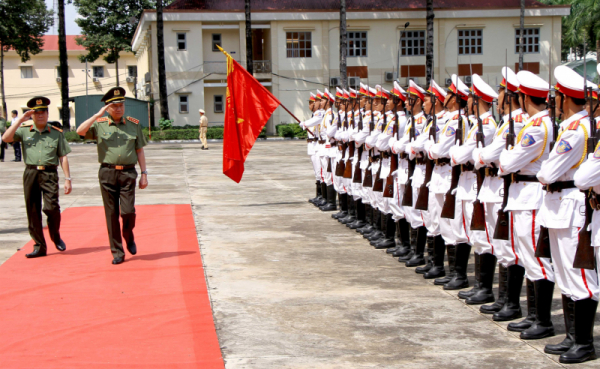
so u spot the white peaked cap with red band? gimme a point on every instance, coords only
(435, 89)
(415, 89)
(346, 94)
(532, 85)
(509, 80)
(319, 94)
(382, 93)
(399, 91)
(329, 95)
(364, 89)
(570, 82)
(372, 92)
(353, 93)
(459, 88)
(483, 90)
(313, 97)
(339, 93)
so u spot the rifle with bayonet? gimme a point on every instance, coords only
(351, 147)
(378, 184)
(368, 180)
(407, 197)
(449, 208)
(478, 219)
(357, 178)
(341, 165)
(423, 197)
(389, 182)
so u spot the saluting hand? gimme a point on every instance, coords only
(143, 181)
(68, 187)
(27, 115)
(103, 110)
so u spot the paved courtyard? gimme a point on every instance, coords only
(291, 287)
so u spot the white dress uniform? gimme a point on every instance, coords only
(313, 124)
(412, 215)
(370, 144)
(357, 189)
(401, 174)
(586, 177)
(383, 145)
(360, 138)
(334, 133)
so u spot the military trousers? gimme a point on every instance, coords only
(38, 186)
(118, 195)
(203, 131)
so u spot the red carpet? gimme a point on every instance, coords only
(77, 310)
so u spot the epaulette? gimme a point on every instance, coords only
(518, 119)
(103, 119)
(133, 120)
(573, 126)
(537, 122)
(56, 128)
(455, 117)
(26, 125)
(486, 121)
(598, 124)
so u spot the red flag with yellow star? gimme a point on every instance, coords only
(249, 105)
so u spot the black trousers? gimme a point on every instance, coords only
(2, 148)
(118, 196)
(38, 185)
(17, 147)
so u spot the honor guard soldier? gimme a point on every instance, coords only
(44, 147)
(562, 214)
(313, 144)
(120, 146)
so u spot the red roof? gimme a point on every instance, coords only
(51, 43)
(352, 5)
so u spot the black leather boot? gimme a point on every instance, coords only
(512, 308)
(419, 257)
(343, 200)
(451, 251)
(351, 206)
(368, 228)
(502, 288)
(403, 233)
(439, 251)
(430, 254)
(542, 327)
(360, 216)
(531, 312)
(392, 250)
(377, 232)
(583, 349)
(331, 203)
(388, 241)
(463, 251)
(569, 317)
(476, 285)
(323, 200)
(413, 246)
(318, 193)
(487, 269)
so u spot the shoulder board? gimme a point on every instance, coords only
(455, 117)
(518, 119)
(573, 126)
(486, 121)
(537, 122)
(133, 120)
(26, 125)
(103, 119)
(56, 128)
(598, 124)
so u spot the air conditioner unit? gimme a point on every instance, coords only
(334, 81)
(58, 79)
(148, 90)
(95, 79)
(147, 77)
(354, 82)
(448, 82)
(130, 79)
(468, 80)
(389, 76)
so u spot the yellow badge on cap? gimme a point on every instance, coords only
(117, 92)
(38, 101)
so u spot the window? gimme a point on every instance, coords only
(413, 43)
(216, 40)
(357, 43)
(219, 103)
(98, 72)
(469, 41)
(183, 104)
(531, 40)
(131, 71)
(26, 72)
(299, 44)
(181, 43)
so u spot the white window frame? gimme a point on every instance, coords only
(26, 72)
(530, 35)
(179, 41)
(357, 43)
(214, 42)
(185, 104)
(295, 47)
(221, 104)
(96, 68)
(469, 39)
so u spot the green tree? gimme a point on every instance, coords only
(24, 23)
(107, 29)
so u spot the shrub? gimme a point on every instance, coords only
(290, 130)
(165, 124)
(73, 137)
(263, 133)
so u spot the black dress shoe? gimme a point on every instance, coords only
(118, 260)
(132, 248)
(356, 224)
(435, 272)
(36, 254)
(61, 245)
(340, 214)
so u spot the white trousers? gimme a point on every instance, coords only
(357, 188)
(432, 216)
(485, 243)
(316, 166)
(413, 216)
(396, 203)
(523, 238)
(578, 284)
(325, 175)
(346, 185)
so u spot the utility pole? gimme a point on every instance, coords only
(162, 73)
(521, 38)
(249, 58)
(343, 44)
(429, 56)
(65, 113)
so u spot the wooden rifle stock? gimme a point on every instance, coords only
(348, 167)
(378, 184)
(542, 249)
(357, 178)
(478, 219)
(407, 197)
(502, 229)
(449, 207)
(584, 257)
(368, 180)
(423, 196)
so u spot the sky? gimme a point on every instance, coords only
(70, 15)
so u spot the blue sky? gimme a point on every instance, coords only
(70, 15)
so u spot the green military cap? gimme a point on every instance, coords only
(38, 102)
(114, 95)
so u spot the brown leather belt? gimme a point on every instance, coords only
(321, 142)
(516, 178)
(442, 161)
(491, 172)
(421, 160)
(559, 186)
(311, 140)
(45, 168)
(403, 155)
(468, 167)
(385, 155)
(118, 167)
(374, 159)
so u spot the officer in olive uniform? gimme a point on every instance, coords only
(120, 146)
(44, 146)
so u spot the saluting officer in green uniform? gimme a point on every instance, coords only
(44, 146)
(120, 146)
